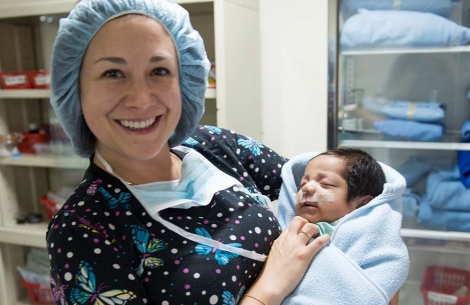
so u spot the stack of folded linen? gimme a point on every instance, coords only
(446, 204)
(411, 23)
(407, 120)
(414, 169)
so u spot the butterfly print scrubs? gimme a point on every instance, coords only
(106, 249)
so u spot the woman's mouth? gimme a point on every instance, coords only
(137, 125)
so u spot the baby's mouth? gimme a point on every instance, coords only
(137, 125)
(308, 204)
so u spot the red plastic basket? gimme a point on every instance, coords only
(38, 294)
(50, 206)
(29, 139)
(441, 284)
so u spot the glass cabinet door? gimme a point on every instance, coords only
(401, 92)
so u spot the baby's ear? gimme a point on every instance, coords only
(363, 200)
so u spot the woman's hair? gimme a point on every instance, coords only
(362, 172)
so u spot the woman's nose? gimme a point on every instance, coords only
(139, 95)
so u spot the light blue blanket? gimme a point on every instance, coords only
(445, 191)
(410, 130)
(411, 201)
(444, 220)
(366, 261)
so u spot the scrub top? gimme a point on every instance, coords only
(105, 245)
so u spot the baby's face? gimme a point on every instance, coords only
(323, 175)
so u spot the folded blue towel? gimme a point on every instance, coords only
(443, 220)
(415, 111)
(411, 202)
(466, 131)
(463, 159)
(440, 7)
(389, 29)
(445, 191)
(409, 130)
(414, 169)
(366, 261)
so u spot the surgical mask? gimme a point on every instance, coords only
(199, 181)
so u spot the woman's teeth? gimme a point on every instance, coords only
(137, 124)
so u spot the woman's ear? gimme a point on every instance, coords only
(362, 200)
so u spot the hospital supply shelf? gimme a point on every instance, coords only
(211, 93)
(25, 94)
(31, 235)
(398, 51)
(406, 145)
(49, 161)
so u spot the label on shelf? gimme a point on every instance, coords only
(440, 297)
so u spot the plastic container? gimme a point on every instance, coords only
(51, 207)
(15, 80)
(39, 294)
(445, 286)
(40, 79)
(29, 139)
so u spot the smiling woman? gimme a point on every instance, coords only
(130, 97)
(168, 212)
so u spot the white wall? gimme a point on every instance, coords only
(294, 75)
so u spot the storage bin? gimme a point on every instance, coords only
(29, 139)
(51, 207)
(38, 294)
(15, 80)
(441, 286)
(40, 79)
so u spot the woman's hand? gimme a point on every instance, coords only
(288, 260)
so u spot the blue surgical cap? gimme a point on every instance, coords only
(74, 35)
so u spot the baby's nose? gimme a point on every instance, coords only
(309, 187)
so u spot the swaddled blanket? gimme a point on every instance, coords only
(366, 261)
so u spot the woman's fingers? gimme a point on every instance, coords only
(290, 255)
(308, 231)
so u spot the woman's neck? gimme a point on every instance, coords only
(163, 167)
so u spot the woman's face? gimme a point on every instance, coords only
(324, 175)
(129, 86)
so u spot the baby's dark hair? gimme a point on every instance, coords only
(362, 172)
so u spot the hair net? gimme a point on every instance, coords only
(74, 35)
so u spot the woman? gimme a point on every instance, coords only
(155, 222)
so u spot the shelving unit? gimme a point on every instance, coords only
(227, 27)
(368, 52)
(407, 145)
(411, 74)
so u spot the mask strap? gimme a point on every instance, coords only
(105, 163)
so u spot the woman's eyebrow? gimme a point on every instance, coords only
(159, 58)
(116, 60)
(119, 60)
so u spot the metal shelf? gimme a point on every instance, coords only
(10, 8)
(49, 161)
(46, 93)
(386, 51)
(436, 235)
(406, 144)
(25, 93)
(32, 235)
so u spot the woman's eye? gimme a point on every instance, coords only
(160, 71)
(112, 73)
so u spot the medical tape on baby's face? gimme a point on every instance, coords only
(316, 197)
